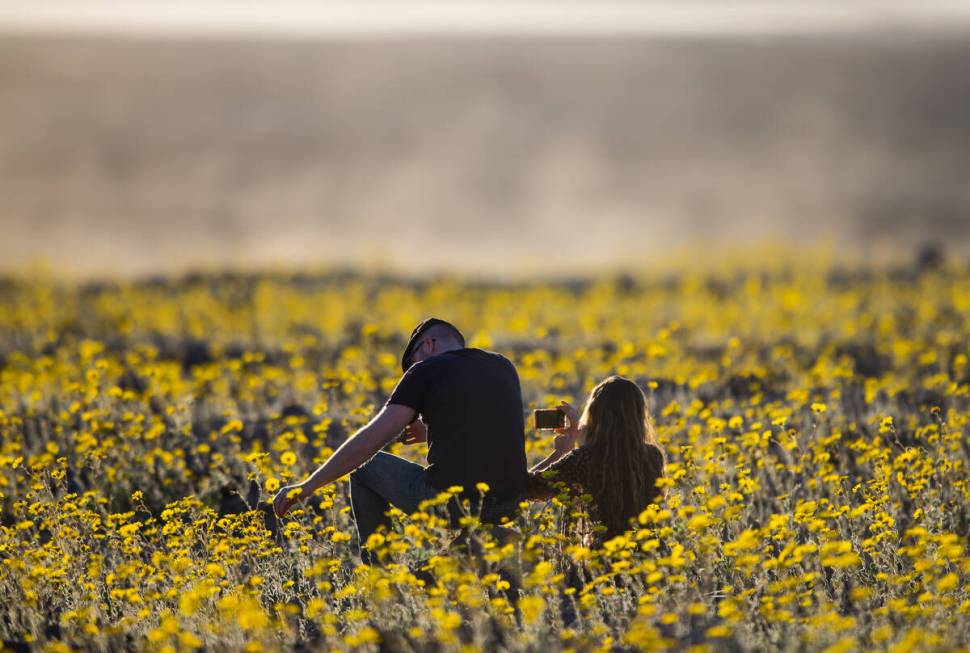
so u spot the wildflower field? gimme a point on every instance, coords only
(814, 420)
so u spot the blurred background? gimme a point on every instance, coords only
(507, 137)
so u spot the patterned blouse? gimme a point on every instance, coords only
(578, 471)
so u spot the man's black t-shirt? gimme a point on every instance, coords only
(471, 401)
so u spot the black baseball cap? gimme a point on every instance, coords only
(420, 329)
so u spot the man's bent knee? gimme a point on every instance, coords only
(361, 473)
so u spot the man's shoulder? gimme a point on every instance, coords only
(463, 362)
(474, 354)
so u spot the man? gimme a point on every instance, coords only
(470, 403)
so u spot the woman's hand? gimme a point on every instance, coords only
(563, 443)
(566, 437)
(572, 418)
(415, 432)
(287, 496)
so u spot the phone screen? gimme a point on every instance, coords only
(549, 418)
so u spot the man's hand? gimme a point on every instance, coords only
(415, 432)
(287, 496)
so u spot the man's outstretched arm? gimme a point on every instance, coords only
(353, 453)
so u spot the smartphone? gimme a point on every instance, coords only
(549, 418)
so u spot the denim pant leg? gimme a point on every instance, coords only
(386, 480)
(495, 510)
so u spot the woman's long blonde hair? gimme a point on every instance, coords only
(617, 426)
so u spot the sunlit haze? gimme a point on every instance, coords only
(391, 17)
(150, 137)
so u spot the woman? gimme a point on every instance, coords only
(618, 462)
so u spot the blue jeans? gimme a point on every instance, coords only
(388, 480)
